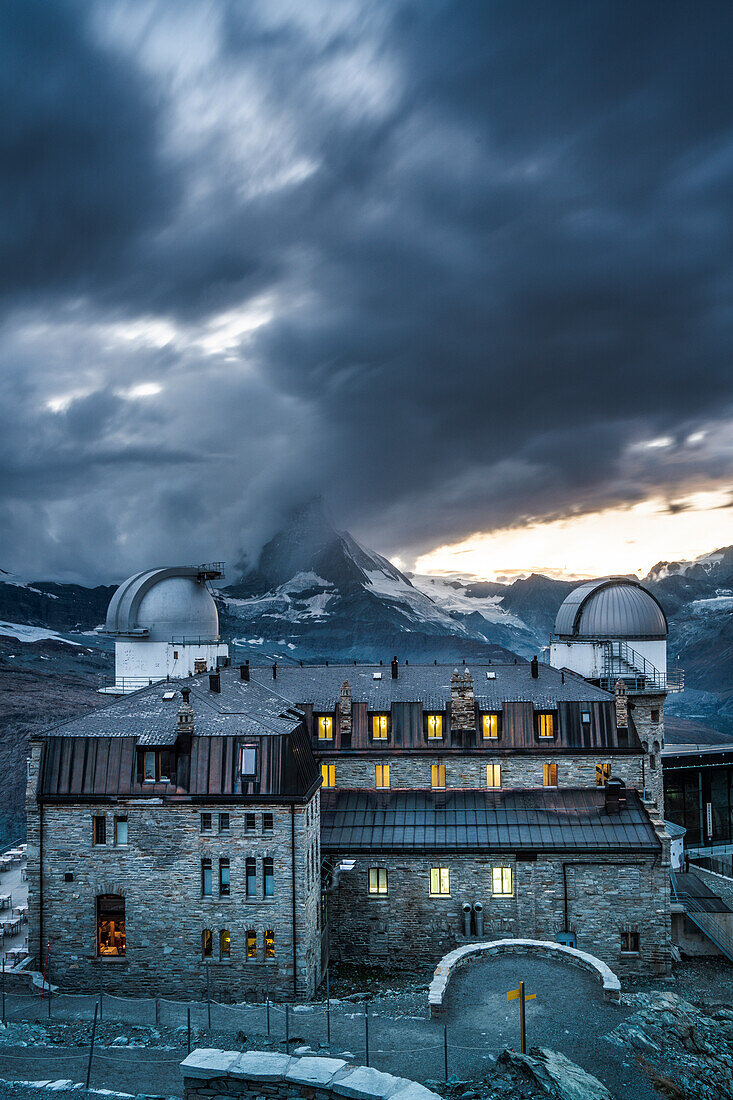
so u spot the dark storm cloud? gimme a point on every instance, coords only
(487, 249)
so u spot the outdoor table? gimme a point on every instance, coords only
(5, 863)
(16, 953)
(11, 927)
(5, 901)
(22, 911)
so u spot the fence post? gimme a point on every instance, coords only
(101, 990)
(328, 1008)
(91, 1045)
(3, 989)
(188, 1027)
(366, 1033)
(49, 992)
(287, 1026)
(157, 1011)
(267, 995)
(445, 1049)
(208, 994)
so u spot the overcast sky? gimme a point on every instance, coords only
(457, 267)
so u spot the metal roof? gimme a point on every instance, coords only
(616, 607)
(511, 820)
(163, 605)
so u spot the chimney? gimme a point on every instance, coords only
(534, 668)
(622, 705)
(244, 671)
(615, 792)
(274, 671)
(185, 694)
(345, 709)
(214, 682)
(395, 668)
(462, 701)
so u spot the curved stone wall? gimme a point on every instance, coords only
(543, 949)
(209, 1073)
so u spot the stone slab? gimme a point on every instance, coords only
(316, 1072)
(365, 1083)
(259, 1065)
(207, 1062)
(413, 1091)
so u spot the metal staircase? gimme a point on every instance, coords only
(709, 923)
(621, 662)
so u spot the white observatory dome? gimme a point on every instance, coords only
(164, 605)
(612, 608)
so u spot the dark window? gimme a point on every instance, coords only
(267, 823)
(167, 766)
(250, 823)
(248, 760)
(205, 823)
(207, 941)
(120, 831)
(269, 878)
(225, 944)
(223, 823)
(100, 830)
(269, 944)
(655, 715)
(175, 654)
(110, 924)
(652, 760)
(251, 871)
(206, 878)
(150, 767)
(224, 878)
(630, 942)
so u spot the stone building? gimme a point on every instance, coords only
(246, 824)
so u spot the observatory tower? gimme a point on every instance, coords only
(613, 632)
(165, 624)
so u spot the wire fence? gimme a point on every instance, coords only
(410, 1046)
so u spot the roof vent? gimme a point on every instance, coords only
(490, 675)
(376, 676)
(214, 682)
(244, 671)
(274, 671)
(395, 668)
(534, 668)
(169, 694)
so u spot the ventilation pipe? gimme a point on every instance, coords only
(395, 668)
(466, 910)
(214, 682)
(244, 671)
(274, 671)
(534, 668)
(479, 913)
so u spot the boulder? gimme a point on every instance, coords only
(552, 1075)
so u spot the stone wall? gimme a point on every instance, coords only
(469, 769)
(605, 897)
(224, 1074)
(158, 873)
(651, 735)
(462, 701)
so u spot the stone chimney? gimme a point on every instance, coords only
(185, 717)
(622, 705)
(462, 701)
(345, 709)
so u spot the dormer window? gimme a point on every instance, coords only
(379, 727)
(545, 724)
(325, 728)
(435, 727)
(490, 727)
(248, 761)
(150, 767)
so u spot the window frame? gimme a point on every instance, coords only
(225, 879)
(542, 717)
(439, 771)
(268, 877)
(497, 715)
(268, 823)
(250, 877)
(148, 754)
(435, 720)
(251, 943)
(224, 828)
(381, 772)
(381, 734)
(440, 877)
(378, 882)
(120, 951)
(121, 819)
(99, 828)
(324, 727)
(328, 776)
(204, 828)
(207, 869)
(207, 943)
(549, 768)
(494, 768)
(248, 753)
(269, 943)
(503, 870)
(225, 955)
(603, 772)
(633, 937)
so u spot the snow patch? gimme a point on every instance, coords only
(33, 633)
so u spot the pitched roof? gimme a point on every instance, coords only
(510, 819)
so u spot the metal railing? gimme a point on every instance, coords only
(125, 684)
(620, 661)
(710, 924)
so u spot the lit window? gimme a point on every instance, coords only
(382, 775)
(328, 774)
(379, 727)
(491, 727)
(248, 760)
(149, 767)
(435, 727)
(603, 772)
(269, 944)
(100, 830)
(225, 944)
(585, 717)
(377, 880)
(251, 944)
(325, 729)
(224, 878)
(267, 823)
(269, 875)
(630, 942)
(207, 941)
(549, 775)
(437, 775)
(501, 882)
(110, 924)
(439, 881)
(205, 823)
(223, 823)
(546, 725)
(251, 878)
(493, 775)
(120, 831)
(206, 886)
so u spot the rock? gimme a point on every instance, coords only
(552, 1074)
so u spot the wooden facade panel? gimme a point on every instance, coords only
(128, 766)
(112, 785)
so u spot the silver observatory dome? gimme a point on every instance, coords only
(162, 605)
(612, 608)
